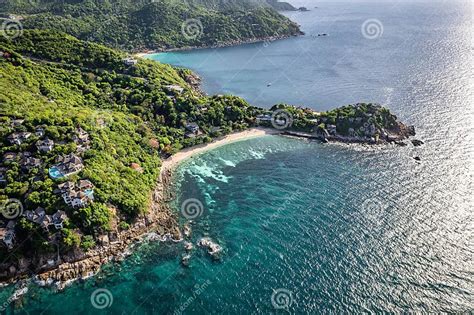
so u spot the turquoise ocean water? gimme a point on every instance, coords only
(310, 228)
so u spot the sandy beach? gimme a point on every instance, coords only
(143, 54)
(187, 153)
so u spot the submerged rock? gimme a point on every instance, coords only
(417, 143)
(187, 230)
(185, 260)
(213, 249)
(188, 246)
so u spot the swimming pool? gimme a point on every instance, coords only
(55, 173)
(89, 193)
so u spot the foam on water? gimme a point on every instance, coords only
(228, 163)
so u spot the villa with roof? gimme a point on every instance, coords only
(39, 217)
(264, 118)
(192, 129)
(28, 163)
(174, 88)
(7, 234)
(129, 61)
(58, 219)
(3, 176)
(45, 145)
(77, 195)
(40, 131)
(81, 138)
(18, 137)
(44, 220)
(17, 122)
(66, 165)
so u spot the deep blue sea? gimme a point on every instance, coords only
(309, 228)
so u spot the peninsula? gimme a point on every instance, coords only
(84, 131)
(137, 26)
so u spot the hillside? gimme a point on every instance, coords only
(156, 25)
(64, 100)
(84, 129)
(355, 123)
(281, 6)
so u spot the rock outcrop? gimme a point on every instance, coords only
(59, 269)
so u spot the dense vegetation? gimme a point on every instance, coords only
(281, 5)
(365, 122)
(133, 113)
(55, 81)
(149, 24)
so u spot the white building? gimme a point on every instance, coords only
(130, 61)
(174, 88)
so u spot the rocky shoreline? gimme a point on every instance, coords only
(59, 270)
(404, 133)
(159, 224)
(221, 45)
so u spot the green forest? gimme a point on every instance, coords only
(59, 83)
(149, 24)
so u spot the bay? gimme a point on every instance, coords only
(309, 228)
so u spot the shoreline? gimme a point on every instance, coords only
(142, 54)
(160, 219)
(173, 161)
